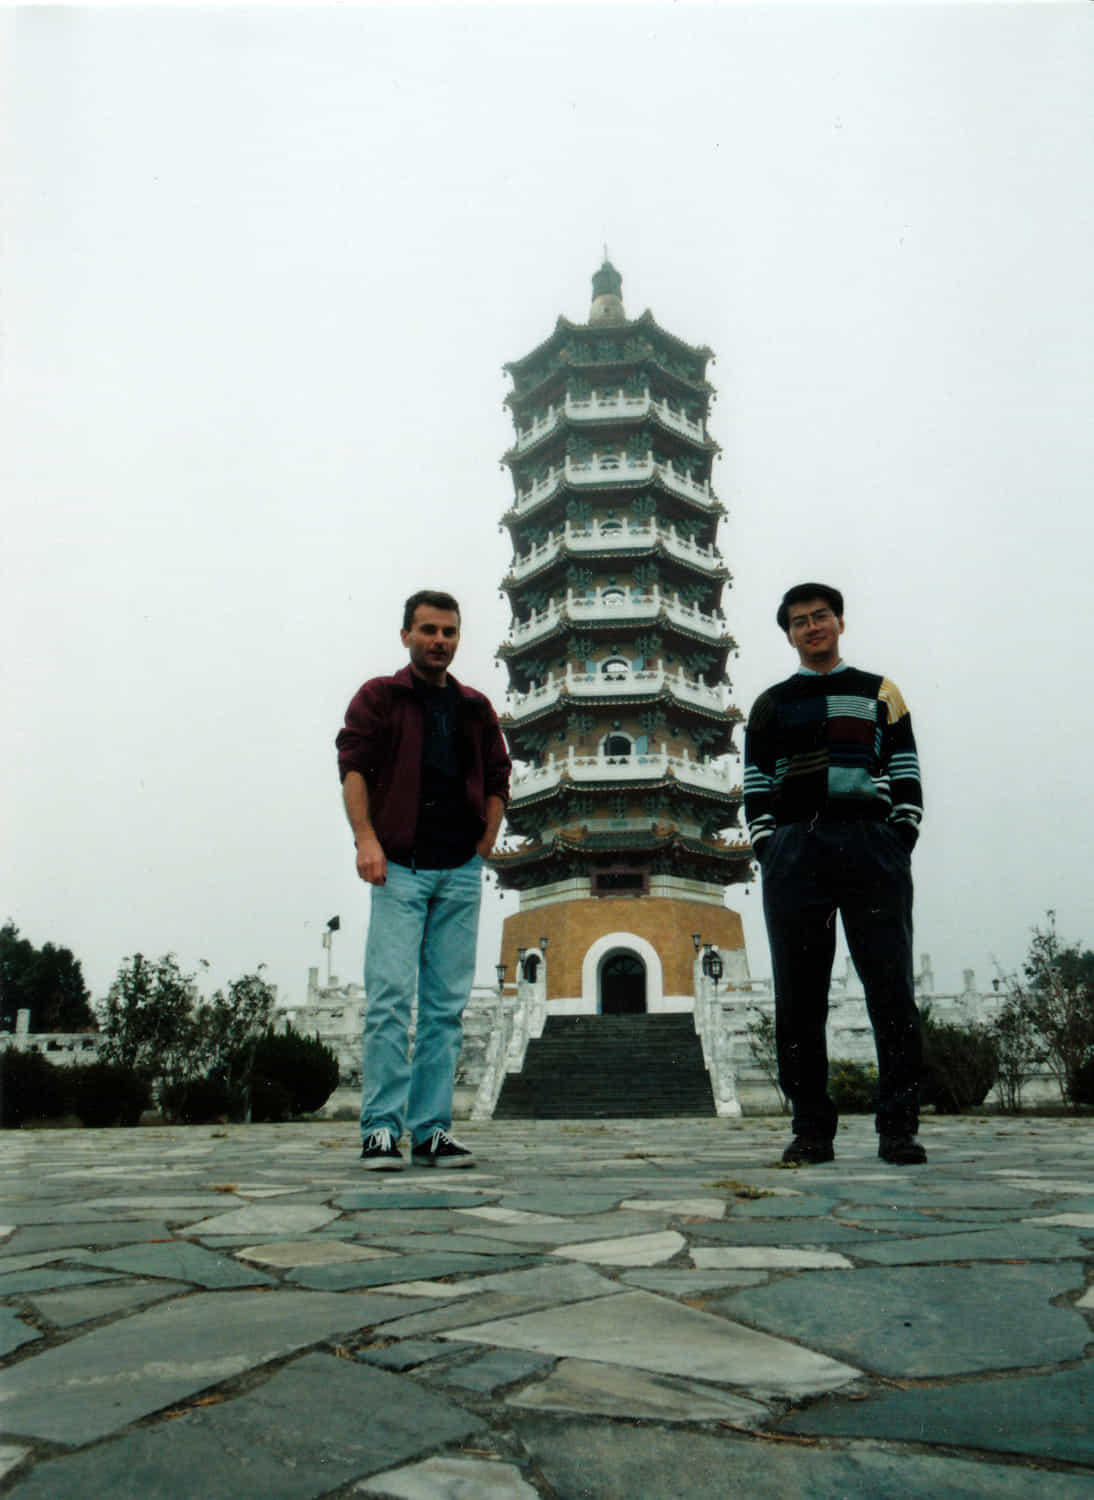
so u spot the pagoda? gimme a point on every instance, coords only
(622, 828)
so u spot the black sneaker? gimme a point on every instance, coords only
(441, 1150)
(808, 1150)
(380, 1153)
(901, 1150)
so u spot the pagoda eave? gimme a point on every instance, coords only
(708, 506)
(715, 575)
(643, 323)
(698, 793)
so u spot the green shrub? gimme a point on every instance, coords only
(292, 1075)
(852, 1086)
(270, 1101)
(1081, 1083)
(201, 1101)
(31, 1088)
(960, 1065)
(105, 1093)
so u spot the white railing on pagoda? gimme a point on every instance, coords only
(612, 468)
(603, 406)
(612, 536)
(538, 428)
(599, 685)
(633, 768)
(616, 604)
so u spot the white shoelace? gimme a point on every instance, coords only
(381, 1139)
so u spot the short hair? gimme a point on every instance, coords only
(433, 597)
(803, 591)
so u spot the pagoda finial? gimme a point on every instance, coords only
(607, 306)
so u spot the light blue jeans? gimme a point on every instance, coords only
(422, 934)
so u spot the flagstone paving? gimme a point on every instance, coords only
(600, 1310)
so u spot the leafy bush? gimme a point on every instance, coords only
(31, 1088)
(761, 1044)
(852, 1086)
(105, 1093)
(1055, 996)
(270, 1101)
(201, 1101)
(291, 1075)
(1081, 1084)
(960, 1065)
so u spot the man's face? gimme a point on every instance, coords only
(431, 640)
(814, 633)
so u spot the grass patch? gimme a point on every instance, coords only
(743, 1189)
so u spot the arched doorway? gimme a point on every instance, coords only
(622, 985)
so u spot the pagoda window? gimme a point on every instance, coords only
(616, 668)
(610, 527)
(613, 596)
(618, 746)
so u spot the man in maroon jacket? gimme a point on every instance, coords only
(425, 780)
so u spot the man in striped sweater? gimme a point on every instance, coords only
(833, 804)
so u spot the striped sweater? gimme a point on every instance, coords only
(838, 745)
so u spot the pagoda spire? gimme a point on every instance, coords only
(607, 304)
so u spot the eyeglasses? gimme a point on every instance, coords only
(818, 617)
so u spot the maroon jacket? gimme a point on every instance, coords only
(383, 739)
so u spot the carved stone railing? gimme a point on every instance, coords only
(717, 1044)
(518, 1020)
(637, 768)
(612, 468)
(616, 604)
(612, 536)
(602, 406)
(598, 685)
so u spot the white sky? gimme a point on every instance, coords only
(260, 271)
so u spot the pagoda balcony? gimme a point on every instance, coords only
(635, 769)
(601, 685)
(611, 606)
(605, 407)
(613, 536)
(612, 468)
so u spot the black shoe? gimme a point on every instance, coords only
(808, 1150)
(901, 1150)
(440, 1150)
(380, 1153)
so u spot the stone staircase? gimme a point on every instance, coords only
(610, 1067)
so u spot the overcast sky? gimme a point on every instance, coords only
(260, 271)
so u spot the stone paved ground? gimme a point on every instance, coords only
(649, 1309)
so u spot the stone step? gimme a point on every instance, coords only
(610, 1067)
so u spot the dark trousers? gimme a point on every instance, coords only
(863, 871)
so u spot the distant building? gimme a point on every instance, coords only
(58, 1046)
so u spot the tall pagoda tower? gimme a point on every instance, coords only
(627, 795)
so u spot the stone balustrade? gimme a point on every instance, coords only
(616, 605)
(637, 768)
(612, 536)
(600, 407)
(612, 468)
(599, 685)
